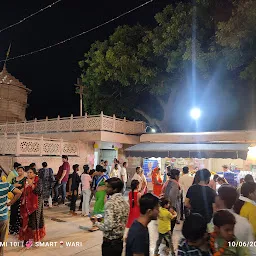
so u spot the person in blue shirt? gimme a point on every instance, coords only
(6, 187)
(137, 242)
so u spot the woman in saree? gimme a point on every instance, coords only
(157, 181)
(15, 218)
(32, 209)
(100, 194)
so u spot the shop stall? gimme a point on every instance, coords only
(211, 156)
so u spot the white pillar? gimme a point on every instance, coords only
(114, 123)
(17, 144)
(101, 120)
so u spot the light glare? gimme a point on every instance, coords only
(195, 113)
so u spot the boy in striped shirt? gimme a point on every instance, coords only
(6, 187)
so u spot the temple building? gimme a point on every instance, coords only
(13, 98)
(89, 139)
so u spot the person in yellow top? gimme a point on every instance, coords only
(10, 194)
(13, 173)
(164, 226)
(246, 205)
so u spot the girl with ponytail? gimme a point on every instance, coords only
(134, 197)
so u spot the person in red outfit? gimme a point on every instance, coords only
(134, 197)
(31, 209)
(157, 181)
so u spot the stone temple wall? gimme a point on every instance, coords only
(86, 156)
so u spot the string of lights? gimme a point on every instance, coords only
(80, 34)
(30, 16)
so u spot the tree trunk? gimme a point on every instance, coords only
(251, 114)
(164, 124)
(167, 110)
(160, 125)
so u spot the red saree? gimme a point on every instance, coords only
(32, 227)
(157, 182)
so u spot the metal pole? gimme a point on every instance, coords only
(81, 105)
(80, 88)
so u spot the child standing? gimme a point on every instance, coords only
(134, 197)
(195, 241)
(164, 226)
(223, 238)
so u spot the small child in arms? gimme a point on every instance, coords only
(164, 226)
(223, 236)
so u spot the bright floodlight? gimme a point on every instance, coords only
(195, 113)
(153, 130)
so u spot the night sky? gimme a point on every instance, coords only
(51, 74)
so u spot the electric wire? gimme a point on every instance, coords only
(29, 16)
(80, 34)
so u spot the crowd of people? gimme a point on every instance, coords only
(27, 190)
(215, 220)
(216, 223)
(21, 205)
(23, 195)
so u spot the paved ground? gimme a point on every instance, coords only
(69, 232)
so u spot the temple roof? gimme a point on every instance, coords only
(7, 78)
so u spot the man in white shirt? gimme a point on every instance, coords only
(123, 175)
(185, 182)
(105, 166)
(118, 165)
(137, 177)
(225, 200)
(225, 168)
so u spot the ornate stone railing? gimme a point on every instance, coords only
(31, 146)
(75, 124)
